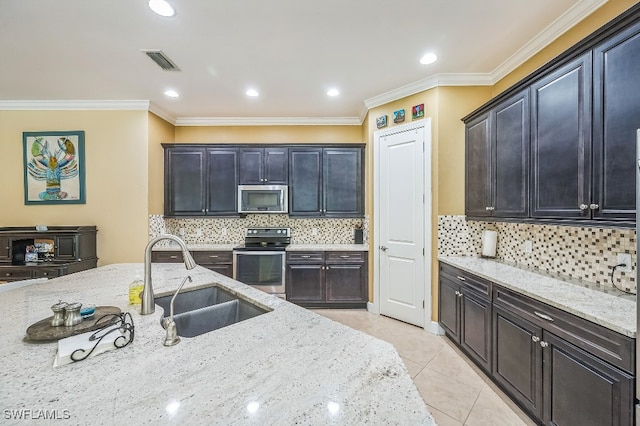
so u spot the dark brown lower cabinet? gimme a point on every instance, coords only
(327, 279)
(217, 261)
(580, 389)
(561, 369)
(517, 359)
(465, 313)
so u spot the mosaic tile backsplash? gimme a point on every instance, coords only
(586, 254)
(232, 230)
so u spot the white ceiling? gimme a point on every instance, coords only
(291, 51)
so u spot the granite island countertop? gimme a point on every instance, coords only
(611, 309)
(288, 366)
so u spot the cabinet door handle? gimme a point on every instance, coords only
(8, 274)
(583, 207)
(460, 278)
(536, 339)
(543, 316)
(345, 256)
(457, 293)
(305, 256)
(594, 206)
(489, 208)
(173, 257)
(213, 256)
(544, 344)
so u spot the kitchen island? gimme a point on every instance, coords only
(288, 366)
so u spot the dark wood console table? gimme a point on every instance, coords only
(27, 253)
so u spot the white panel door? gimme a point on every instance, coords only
(401, 226)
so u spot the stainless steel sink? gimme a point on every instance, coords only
(206, 309)
(190, 300)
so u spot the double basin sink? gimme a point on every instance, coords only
(201, 310)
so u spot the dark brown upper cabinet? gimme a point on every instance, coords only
(264, 166)
(326, 182)
(616, 118)
(560, 145)
(200, 181)
(561, 142)
(497, 154)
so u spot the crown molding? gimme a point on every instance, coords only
(429, 83)
(566, 21)
(268, 121)
(166, 116)
(73, 105)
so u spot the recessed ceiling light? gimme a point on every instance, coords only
(162, 8)
(333, 92)
(253, 93)
(172, 93)
(429, 58)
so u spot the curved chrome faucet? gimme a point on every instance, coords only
(172, 333)
(148, 303)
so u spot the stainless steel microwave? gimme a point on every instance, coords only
(263, 199)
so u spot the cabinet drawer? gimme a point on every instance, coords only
(474, 283)
(166, 256)
(600, 341)
(345, 256)
(47, 273)
(15, 273)
(212, 257)
(305, 257)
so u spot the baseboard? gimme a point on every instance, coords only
(436, 329)
(371, 307)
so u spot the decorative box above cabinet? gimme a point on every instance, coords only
(264, 166)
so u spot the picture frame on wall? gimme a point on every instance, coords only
(54, 167)
(417, 111)
(381, 121)
(398, 116)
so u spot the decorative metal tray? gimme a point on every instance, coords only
(42, 331)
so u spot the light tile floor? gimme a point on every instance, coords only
(455, 390)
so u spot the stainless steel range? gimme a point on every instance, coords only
(261, 260)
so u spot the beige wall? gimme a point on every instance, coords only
(160, 132)
(116, 177)
(268, 134)
(600, 17)
(445, 106)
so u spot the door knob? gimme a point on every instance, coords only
(583, 207)
(383, 248)
(594, 206)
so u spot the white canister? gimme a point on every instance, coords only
(489, 243)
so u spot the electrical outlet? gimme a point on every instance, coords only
(528, 246)
(181, 232)
(626, 259)
(199, 232)
(314, 231)
(223, 231)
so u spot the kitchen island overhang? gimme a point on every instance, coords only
(287, 366)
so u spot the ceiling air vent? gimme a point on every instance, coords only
(161, 59)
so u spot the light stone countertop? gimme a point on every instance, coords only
(161, 246)
(328, 247)
(611, 309)
(288, 366)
